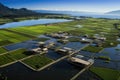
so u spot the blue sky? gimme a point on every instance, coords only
(69, 5)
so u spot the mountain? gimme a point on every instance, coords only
(6, 11)
(53, 12)
(114, 12)
(73, 13)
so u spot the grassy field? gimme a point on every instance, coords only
(2, 50)
(41, 29)
(4, 59)
(42, 39)
(5, 20)
(93, 49)
(106, 74)
(106, 58)
(7, 37)
(8, 20)
(12, 56)
(37, 61)
(73, 39)
(91, 26)
(5, 42)
(18, 54)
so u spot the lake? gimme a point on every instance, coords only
(32, 22)
(97, 15)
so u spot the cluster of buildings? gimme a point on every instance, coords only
(60, 35)
(43, 47)
(97, 40)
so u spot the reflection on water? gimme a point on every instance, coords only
(88, 75)
(59, 71)
(112, 52)
(74, 45)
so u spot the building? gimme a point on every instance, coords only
(85, 40)
(99, 37)
(80, 60)
(36, 50)
(65, 50)
(49, 44)
(60, 34)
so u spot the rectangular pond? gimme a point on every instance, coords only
(62, 70)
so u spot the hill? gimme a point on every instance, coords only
(114, 12)
(8, 12)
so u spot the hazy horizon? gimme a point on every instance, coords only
(100, 6)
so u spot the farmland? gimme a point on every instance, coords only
(90, 27)
(18, 54)
(10, 37)
(106, 74)
(12, 56)
(2, 50)
(38, 61)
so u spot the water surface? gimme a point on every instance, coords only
(32, 22)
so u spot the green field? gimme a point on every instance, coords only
(4, 59)
(90, 27)
(2, 50)
(12, 56)
(106, 74)
(93, 49)
(37, 61)
(8, 20)
(41, 29)
(7, 37)
(5, 42)
(18, 54)
(5, 20)
(42, 39)
(73, 39)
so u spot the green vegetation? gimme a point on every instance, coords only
(90, 27)
(8, 20)
(18, 54)
(41, 29)
(2, 50)
(42, 39)
(5, 20)
(12, 56)
(37, 61)
(106, 74)
(5, 42)
(107, 58)
(117, 49)
(93, 49)
(73, 39)
(4, 59)
(7, 37)
(110, 43)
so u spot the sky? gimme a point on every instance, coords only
(65, 5)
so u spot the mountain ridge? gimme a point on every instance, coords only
(114, 12)
(6, 11)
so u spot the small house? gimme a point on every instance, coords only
(65, 50)
(85, 40)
